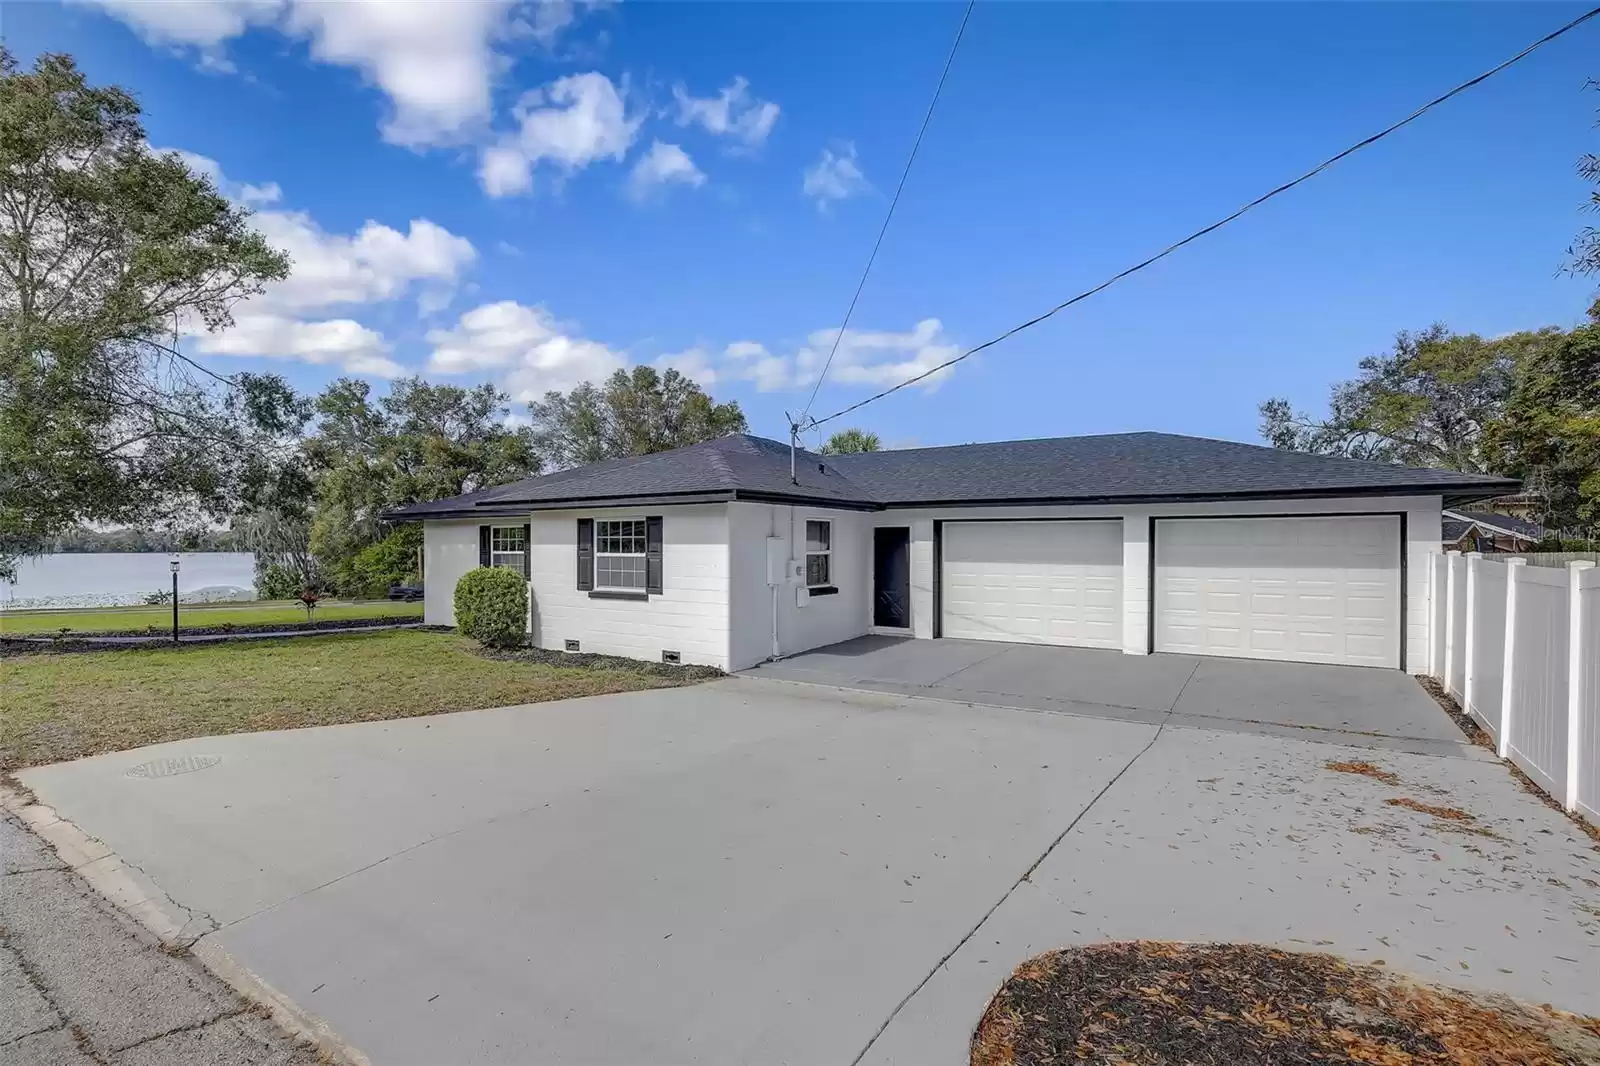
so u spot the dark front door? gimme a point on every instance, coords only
(891, 577)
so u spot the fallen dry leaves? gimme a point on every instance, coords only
(1449, 814)
(1365, 769)
(1155, 1003)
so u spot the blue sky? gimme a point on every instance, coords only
(535, 195)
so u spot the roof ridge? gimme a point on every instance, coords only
(719, 460)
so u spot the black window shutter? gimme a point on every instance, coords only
(585, 554)
(652, 554)
(527, 551)
(483, 545)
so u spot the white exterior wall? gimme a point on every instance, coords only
(689, 616)
(823, 619)
(449, 550)
(1422, 533)
(718, 608)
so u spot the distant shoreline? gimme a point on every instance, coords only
(214, 594)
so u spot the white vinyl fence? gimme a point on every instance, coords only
(1519, 647)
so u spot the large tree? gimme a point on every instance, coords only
(107, 252)
(1584, 255)
(1524, 405)
(1427, 402)
(419, 442)
(852, 441)
(1550, 433)
(635, 412)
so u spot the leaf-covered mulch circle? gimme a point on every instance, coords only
(1151, 1003)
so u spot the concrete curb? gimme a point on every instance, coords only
(141, 900)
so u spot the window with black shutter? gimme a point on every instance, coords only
(652, 557)
(585, 554)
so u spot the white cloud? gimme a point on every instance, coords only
(340, 342)
(572, 122)
(866, 358)
(547, 19)
(202, 24)
(733, 112)
(663, 164)
(834, 176)
(863, 358)
(374, 264)
(435, 62)
(328, 271)
(249, 195)
(525, 347)
(744, 350)
(695, 363)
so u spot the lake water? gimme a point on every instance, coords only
(109, 579)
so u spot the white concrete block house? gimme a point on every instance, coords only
(1143, 542)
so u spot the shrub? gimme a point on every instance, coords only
(277, 582)
(391, 561)
(492, 606)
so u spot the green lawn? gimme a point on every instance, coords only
(66, 705)
(137, 619)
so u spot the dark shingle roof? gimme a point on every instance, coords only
(752, 467)
(1131, 466)
(1121, 466)
(1453, 529)
(1518, 526)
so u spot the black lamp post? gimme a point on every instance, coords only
(174, 599)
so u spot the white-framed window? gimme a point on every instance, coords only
(619, 554)
(508, 547)
(819, 553)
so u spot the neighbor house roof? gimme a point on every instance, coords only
(1520, 528)
(1119, 467)
(1453, 529)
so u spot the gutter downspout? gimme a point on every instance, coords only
(772, 527)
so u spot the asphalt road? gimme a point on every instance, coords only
(80, 985)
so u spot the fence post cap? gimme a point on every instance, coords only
(1580, 564)
(1453, 551)
(1519, 561)
(1474, 555)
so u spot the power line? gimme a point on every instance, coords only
(1319, 168)
(928, 117)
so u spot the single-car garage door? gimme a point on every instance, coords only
(1034, 582)
(1319, 590)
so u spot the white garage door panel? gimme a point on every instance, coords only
(1034, 582)
(1322, 590)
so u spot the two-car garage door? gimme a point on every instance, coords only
(1323, 589)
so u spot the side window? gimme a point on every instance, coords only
(819, 553)
(508, 547)
(619, 555)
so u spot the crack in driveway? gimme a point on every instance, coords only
(1026, 876)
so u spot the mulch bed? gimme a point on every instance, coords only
(1152, 1003)
(545, 657)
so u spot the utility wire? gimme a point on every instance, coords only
(960, 31)
(1319, 168)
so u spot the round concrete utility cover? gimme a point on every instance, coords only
(183, 764)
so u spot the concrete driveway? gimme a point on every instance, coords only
(753, 871)
(1211, 692)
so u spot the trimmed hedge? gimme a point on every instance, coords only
(492, 606)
